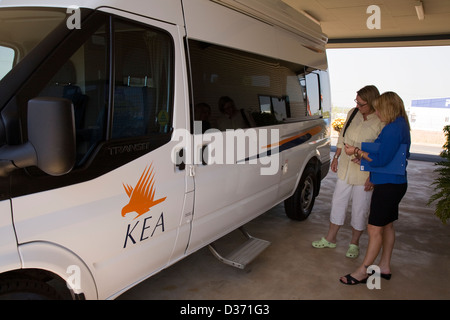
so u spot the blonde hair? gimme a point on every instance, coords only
(369, 94)
(390, 106)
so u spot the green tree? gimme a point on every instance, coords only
(442, 182)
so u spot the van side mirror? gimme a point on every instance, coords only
(51, 142)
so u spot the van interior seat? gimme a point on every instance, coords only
(63, 85)
(134, 99)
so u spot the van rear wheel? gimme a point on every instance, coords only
(300, 204)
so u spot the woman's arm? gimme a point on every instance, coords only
(357, 152)
(389, 140)
(334, 163)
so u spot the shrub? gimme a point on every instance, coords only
(442, 182)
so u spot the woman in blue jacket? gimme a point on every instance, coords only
(389, 189)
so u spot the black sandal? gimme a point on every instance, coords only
(352, 281)
(386, 276)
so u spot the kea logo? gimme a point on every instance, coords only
(142, 196)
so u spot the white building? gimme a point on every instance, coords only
(429, 114)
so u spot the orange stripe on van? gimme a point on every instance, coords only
(312, 132)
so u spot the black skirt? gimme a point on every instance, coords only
(384, 203)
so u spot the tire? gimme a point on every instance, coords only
(299, 205)
(27, 289)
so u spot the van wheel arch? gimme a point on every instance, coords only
(56, 262)
(33, 284)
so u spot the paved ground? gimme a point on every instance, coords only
(291, 269)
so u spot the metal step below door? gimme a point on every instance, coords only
(244, 254)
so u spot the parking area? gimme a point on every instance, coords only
(292, 269)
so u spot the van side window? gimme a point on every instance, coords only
(264, 91)
(7, 56)
(142, 101)
(314, 102)
(83, 79)
(143, 81)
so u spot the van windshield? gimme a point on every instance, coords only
(21, 29)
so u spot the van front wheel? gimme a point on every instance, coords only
(26, 289)
(300, 204)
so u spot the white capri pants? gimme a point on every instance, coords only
(343, 192)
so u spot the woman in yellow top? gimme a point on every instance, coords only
(352, 183)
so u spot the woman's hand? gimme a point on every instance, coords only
(368, 186)
(335, 162)
(334, 165)
(349, 149)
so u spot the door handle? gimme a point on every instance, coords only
(204, 152)
(180, 163)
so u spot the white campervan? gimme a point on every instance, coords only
(133, 133)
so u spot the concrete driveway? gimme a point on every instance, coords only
(292, 269)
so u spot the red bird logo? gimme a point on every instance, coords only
(143, 195)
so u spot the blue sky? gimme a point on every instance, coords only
(412, 72)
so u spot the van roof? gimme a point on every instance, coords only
(166, 10)
(273, 12)
(286, 33)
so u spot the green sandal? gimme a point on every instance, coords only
(353, 251)
(323, 243)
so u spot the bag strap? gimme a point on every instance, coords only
(350, 120)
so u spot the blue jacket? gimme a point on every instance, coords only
(390, 138)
